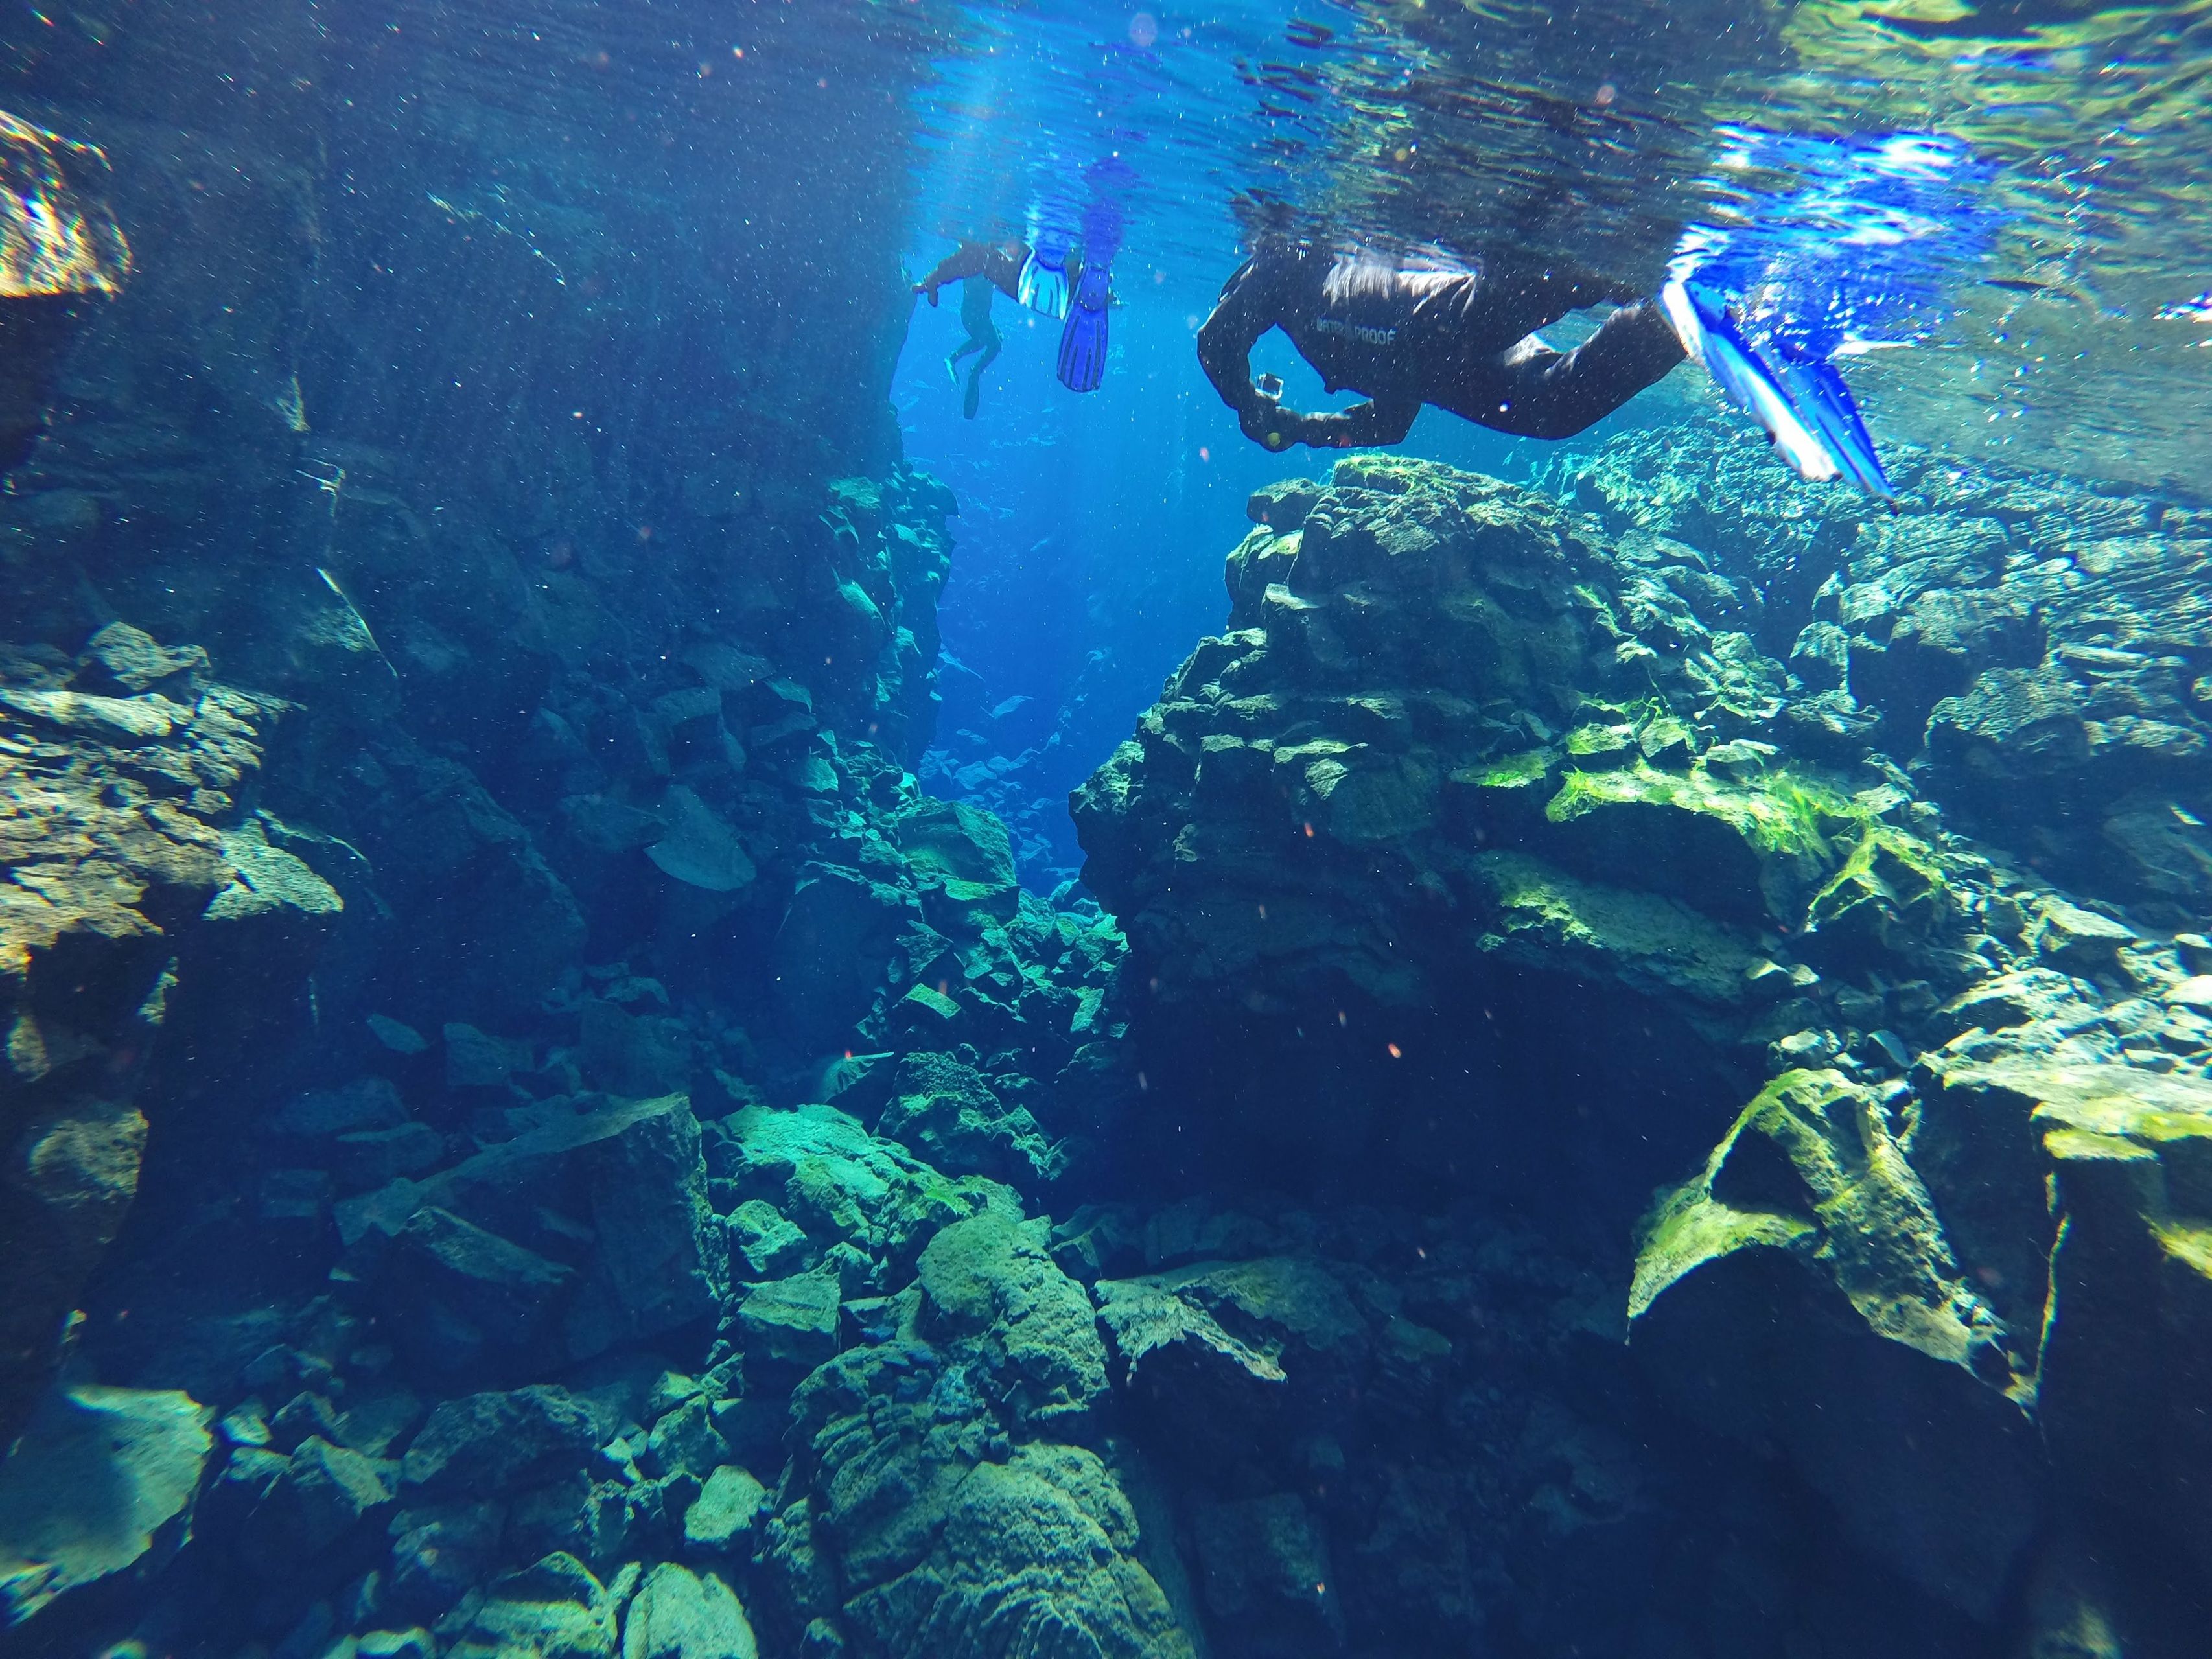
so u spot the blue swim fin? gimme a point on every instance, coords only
(1819, 391)
(1083, 341)
(1710, 335)
(1083, 348)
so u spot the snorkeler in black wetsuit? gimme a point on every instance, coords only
(1402, 337)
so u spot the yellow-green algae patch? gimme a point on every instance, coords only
(1811, 1165)
(1783, 813)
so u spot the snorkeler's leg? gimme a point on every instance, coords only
(952, 358)
(1553, 394)
(973, 398)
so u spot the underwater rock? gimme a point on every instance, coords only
(1266, 1571)
(2031, 637)
(659, 1258)
(2127, 1351)
(830, 1176)
(142, 1450)
(831, 952)
(1470, 763)
(1809, 1254)
(990, 1281)
(325, 1493)
(945, 1534)
(727, 1513)
(768, 1245)
(1144, 1318)
(698, 848)
(61, 243)
(466, 1305)
(963, 863)
(490, 922)
(678, 1613)
(791, 1322)
(944, 1111)
(1040, 1547)
(130, 888)
(486, 1444)
(554, 1609)
(639, 1056)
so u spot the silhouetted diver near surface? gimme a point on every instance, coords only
(1403, 336)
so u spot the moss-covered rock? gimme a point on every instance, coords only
(943, 1110)
(991, 1280)
(553, 1609)
(1810, 1238)
(1541, 917)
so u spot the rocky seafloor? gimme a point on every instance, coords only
(1631, 1074)
(1577, 1153)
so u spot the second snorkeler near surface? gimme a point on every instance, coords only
(1053, 279)
(1405, 335)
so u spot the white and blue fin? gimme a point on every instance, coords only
(1819, 391)
(1804, 409)
(1709, 336)
(1043, 287)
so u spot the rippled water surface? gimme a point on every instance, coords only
(2071, 330)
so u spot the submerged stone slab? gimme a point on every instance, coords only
(139, 1452)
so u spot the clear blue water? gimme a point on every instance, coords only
(661, 997)
(2040, 305)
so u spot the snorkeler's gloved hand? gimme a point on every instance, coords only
(1328, 431)
(1264, 421)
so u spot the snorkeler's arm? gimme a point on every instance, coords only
(1384, 420)
(1552, 394)
(1245, 311)
(968, 259)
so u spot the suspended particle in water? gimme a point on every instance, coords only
(1604, 96)
(1396, 1053)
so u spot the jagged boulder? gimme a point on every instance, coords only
(141, 1451)
(553, 1609)
(1801, 1293)
(824, 1172)
(133, 886)
(2126, 1354)
(945, 1111)
(989, 1283)
(485, 1444)
(1469, 764)
(678, 1613)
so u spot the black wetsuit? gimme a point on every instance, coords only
(1402, 337)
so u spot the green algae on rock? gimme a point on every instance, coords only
(1810, 1251)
